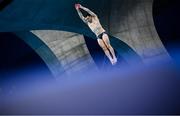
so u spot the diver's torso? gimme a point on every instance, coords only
(95, 26)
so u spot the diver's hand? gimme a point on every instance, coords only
(77, 6)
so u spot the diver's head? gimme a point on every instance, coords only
(88, 18)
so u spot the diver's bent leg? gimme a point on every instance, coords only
(107, 42)
(105, 49)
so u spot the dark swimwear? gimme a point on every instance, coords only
(100, 36)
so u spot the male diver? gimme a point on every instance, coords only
(102, 37)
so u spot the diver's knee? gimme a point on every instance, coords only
(108, 46)
(104, 48)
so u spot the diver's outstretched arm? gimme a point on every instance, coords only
(81, 16)
(77, 6)
(87, 10)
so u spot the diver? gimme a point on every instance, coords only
(102, 37)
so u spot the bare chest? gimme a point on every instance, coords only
(95, 24)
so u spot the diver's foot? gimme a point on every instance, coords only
(114, 62)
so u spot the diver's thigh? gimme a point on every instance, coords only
(101, 43)
(106, 39)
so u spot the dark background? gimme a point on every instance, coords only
(19, 63)
(167, 22)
